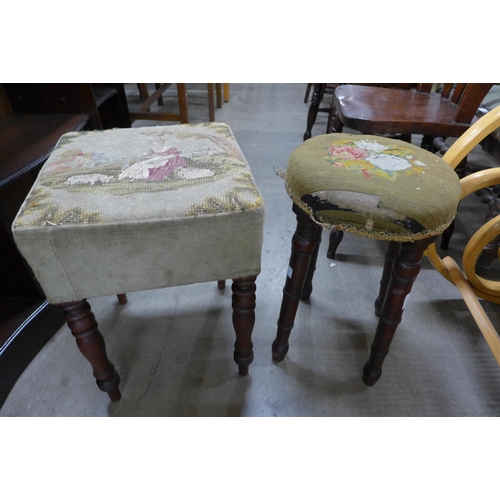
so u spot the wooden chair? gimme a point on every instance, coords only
(469, 283)
(404, 112)
(319, 91)
(144, 111)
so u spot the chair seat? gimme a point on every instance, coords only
(377, 187)
(122, 210)
(373, 110)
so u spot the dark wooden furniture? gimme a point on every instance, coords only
(27, 320)
(436, 115)
(104, 103)
(32, 119)
(375, 110)
(319, 91)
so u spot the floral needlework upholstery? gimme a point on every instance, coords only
(377, 187)
(141, 208)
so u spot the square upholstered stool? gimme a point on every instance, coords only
(375, 187)
(124, 210)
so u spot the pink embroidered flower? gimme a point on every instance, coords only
(347, 152)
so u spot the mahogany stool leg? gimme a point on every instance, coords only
(83, 326)
(334, 241)
(405, 270)
(390, 255)
(243, 320)
(308, 288)
(304, 242)
(122, 298)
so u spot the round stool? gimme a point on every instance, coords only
(375, 187)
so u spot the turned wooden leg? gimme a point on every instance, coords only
(319, 90)
(390, 255)
(243, 320)
(334, 242)
(308, 288)
(83, 326)
(304, 242)
(404, 272)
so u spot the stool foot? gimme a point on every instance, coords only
(279, 351)
(122, 298)
(370, 377)
(405, 270)
(221, 284)
(243, 300)
(83, 326)
(304, 243)
(335, 239)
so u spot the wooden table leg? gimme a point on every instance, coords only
(243, 320)
(405, 270)
(304, 242)
(83, 326)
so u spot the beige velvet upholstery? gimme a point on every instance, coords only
(377, 187)
(123, 210)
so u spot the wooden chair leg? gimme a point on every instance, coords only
(334, 241)
(304, 242)
(405, 270)
(313, 108)
(243, 301)
(83, 326)
(226, 92)
(218, 94)
(390, 255)
(308, 90)
(211, 103)
(183, 103)
(160, 98)
(221, 284)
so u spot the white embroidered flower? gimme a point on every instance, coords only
(418, 162)
(371, 146)
(389, 162)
